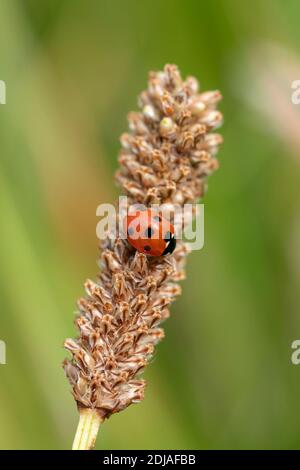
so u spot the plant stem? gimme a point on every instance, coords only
(87, 429)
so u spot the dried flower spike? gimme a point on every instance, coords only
(165, 157)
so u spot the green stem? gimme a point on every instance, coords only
(87, 430)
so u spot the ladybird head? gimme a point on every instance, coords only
(171, 243)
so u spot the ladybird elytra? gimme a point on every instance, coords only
(150, 233)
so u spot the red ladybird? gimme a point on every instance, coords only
(150, 233)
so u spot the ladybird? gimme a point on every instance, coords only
(150, 233)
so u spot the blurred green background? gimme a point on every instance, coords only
(223, 377)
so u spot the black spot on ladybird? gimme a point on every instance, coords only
(147, 248)
(149, 232)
